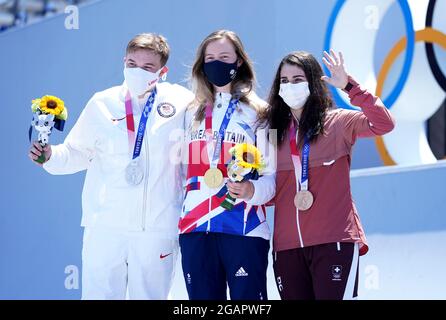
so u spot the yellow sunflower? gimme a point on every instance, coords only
(52, 105)
(248, 156)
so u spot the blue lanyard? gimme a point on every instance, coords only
(142, 124)
(305, 161)
(224, 125)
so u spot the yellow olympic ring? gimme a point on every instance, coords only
(427, 35)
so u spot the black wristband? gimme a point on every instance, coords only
(348, 87)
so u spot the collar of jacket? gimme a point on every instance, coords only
(222, 97)
(123, 93)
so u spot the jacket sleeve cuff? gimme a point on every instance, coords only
(264, 190)
(55, 162)
(351, 86)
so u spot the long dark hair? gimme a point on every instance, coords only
(278, 115)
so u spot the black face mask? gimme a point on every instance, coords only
(220, 73)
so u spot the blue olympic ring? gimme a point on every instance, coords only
(410, 35)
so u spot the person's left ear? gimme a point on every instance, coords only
(239, 62)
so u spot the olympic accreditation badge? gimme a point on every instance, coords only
(303, 200)
(213, 178)
(134, 173)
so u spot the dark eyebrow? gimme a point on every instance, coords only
(130, 59)
(149, 64)
(298, 76)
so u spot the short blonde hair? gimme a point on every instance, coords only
(150, 41)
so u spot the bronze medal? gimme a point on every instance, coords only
(303, 200)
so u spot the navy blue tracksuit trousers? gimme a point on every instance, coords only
(213, 261)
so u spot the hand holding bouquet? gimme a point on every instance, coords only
(246, 164)
(48, 112)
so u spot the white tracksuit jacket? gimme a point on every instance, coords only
(98, 143)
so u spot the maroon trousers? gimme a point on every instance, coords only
(321, 272)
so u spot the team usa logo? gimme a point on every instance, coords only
(166, 110)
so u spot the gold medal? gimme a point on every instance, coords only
(213, 178)
(303, 200)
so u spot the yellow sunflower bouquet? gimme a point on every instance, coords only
(48, 112)
(246, 164)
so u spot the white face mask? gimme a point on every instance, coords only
(138, 80)
(294, 94)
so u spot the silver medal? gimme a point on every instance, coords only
(134, 173)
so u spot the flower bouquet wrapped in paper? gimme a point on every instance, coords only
(246, 164)
(48, 112)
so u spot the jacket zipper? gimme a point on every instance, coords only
(298, 228)
(218, 101)
(209, 220)
(146, 177)
(146, 180)
(299, 233)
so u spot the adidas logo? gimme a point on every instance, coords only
(241, 273)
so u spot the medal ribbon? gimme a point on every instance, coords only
(142, 122)
(221, 133)
(129, 119)
(303, 166)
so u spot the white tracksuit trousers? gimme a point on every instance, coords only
(114, 262)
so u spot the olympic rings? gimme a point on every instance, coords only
(428, 35)
(431, 58)
(393, 96)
